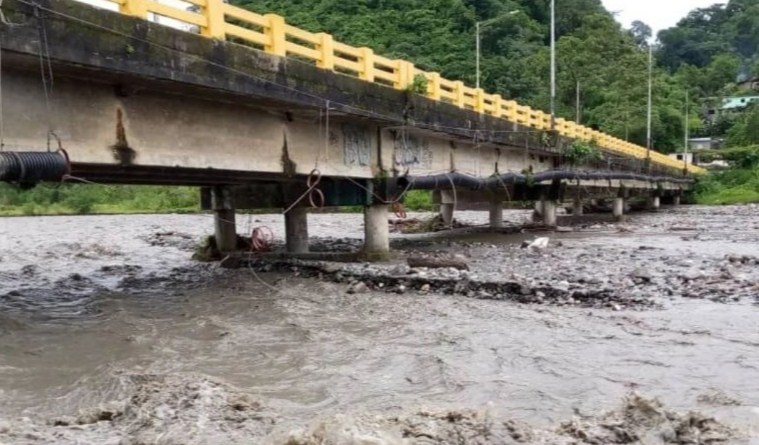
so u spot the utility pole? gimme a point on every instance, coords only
(687, 129)
(577, 104)
(553, 65)
(650, 100)
(477, 38)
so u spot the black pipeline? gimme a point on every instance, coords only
(28, 168)
(460, 180)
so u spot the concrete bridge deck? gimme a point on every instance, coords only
(133, 101)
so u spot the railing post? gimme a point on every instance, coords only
(275, 31)
(326, 52)
(410, 73)
(214, 14)
(479, 100)
(458, 89)
(497, 105)
(404, 73)
(367, 65)
(400, 75)
(434, 91)
(511, 110)
(137, 8)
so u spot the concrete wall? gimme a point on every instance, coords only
(93, 121)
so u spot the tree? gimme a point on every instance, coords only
(746, 129)
(641, 33)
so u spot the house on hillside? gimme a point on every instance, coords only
(738, 103)
(707, 143)
(732, 104)
(751, 84)
(695, 145)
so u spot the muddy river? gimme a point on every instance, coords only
(111, 334)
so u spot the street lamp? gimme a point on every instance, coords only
(477, 27)
(649, 141)
(553, 65)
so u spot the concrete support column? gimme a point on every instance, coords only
(496, 214)
(549, 212)
(376, 232)
(296, 230)
(225, 228)
(446, 213)
(654, 203)
(619, 209)
(676, 200)
(577, 208)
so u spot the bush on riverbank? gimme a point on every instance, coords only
(738, 185)
(69, 199)
(734, 186)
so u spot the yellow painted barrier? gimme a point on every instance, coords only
(269, 32)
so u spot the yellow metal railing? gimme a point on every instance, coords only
(270, 33)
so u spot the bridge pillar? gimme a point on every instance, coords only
(654, 202)
(225, 227)
(549, 211)
(446, 213)
(496, 214)
(577, 207)
(296, 230)
(619, 208)
(676, 200)
(376, 232)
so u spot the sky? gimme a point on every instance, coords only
(658, 14)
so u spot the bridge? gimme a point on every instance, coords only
(262, 114)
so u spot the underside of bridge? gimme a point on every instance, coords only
(135, 102)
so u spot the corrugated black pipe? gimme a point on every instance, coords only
(31, 167)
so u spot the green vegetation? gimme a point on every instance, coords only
(419, 85)
(734, 186)
(46, 199)
(737, 185)
(610, 64)
(580, 152)
(419, 201)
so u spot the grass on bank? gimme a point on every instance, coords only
(83, 199)
(734, 186)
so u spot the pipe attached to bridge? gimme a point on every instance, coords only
(454, 179)
(28, 168)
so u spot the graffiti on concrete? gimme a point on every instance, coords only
(357, 145)
(412, 151)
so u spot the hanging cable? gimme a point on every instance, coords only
(46, 70)
(2, 120)
(455, 199)
(326, 134)
(315, 196)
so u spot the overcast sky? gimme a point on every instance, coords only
(658, 14)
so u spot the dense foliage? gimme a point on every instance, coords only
(701, 58)
(80, 199)
(608, 62)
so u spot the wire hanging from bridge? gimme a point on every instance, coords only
(46, 70)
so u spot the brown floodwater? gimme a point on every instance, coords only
(86, 301)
